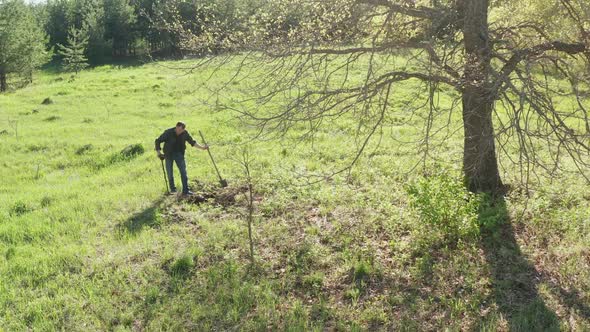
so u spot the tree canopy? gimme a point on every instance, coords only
(503, 61)
(21, 40)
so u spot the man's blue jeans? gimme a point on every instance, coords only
(177, 157)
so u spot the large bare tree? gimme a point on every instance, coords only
(508, 75)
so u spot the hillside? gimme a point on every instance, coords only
(90, 241)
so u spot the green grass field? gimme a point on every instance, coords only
(89, 241)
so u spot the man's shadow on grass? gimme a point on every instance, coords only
(515, 280)
(148, 217)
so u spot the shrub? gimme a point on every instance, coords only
(132, 151)
(126, 154)
(442, 202)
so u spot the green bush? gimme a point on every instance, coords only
(132, 151)
(128, 153)
(443, 203)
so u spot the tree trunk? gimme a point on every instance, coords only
(479, 156)
(3, 83)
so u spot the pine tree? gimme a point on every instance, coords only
(22, 42)
(73, 54)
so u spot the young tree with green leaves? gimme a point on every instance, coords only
(22, 42)
(73, 54)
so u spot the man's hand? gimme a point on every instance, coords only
(160, 155)
(202, 147)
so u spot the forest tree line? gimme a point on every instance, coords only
(101, 31)
(33, 34)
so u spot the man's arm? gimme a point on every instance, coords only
(161, 139)
(194, 143)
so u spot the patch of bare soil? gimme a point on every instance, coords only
(210, 193)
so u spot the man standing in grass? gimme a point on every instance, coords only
(174, 140)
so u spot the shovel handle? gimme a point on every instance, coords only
(165, 179)
(211, 156)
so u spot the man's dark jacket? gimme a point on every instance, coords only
(171, 141)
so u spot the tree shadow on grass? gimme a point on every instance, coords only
(149, 217)
(514, 279)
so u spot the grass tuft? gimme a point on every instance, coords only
(182, 267)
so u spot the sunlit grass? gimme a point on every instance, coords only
(88, 241)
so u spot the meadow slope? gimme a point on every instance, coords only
(89, 241)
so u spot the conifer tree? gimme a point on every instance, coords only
(74, 58)
(22, 42)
